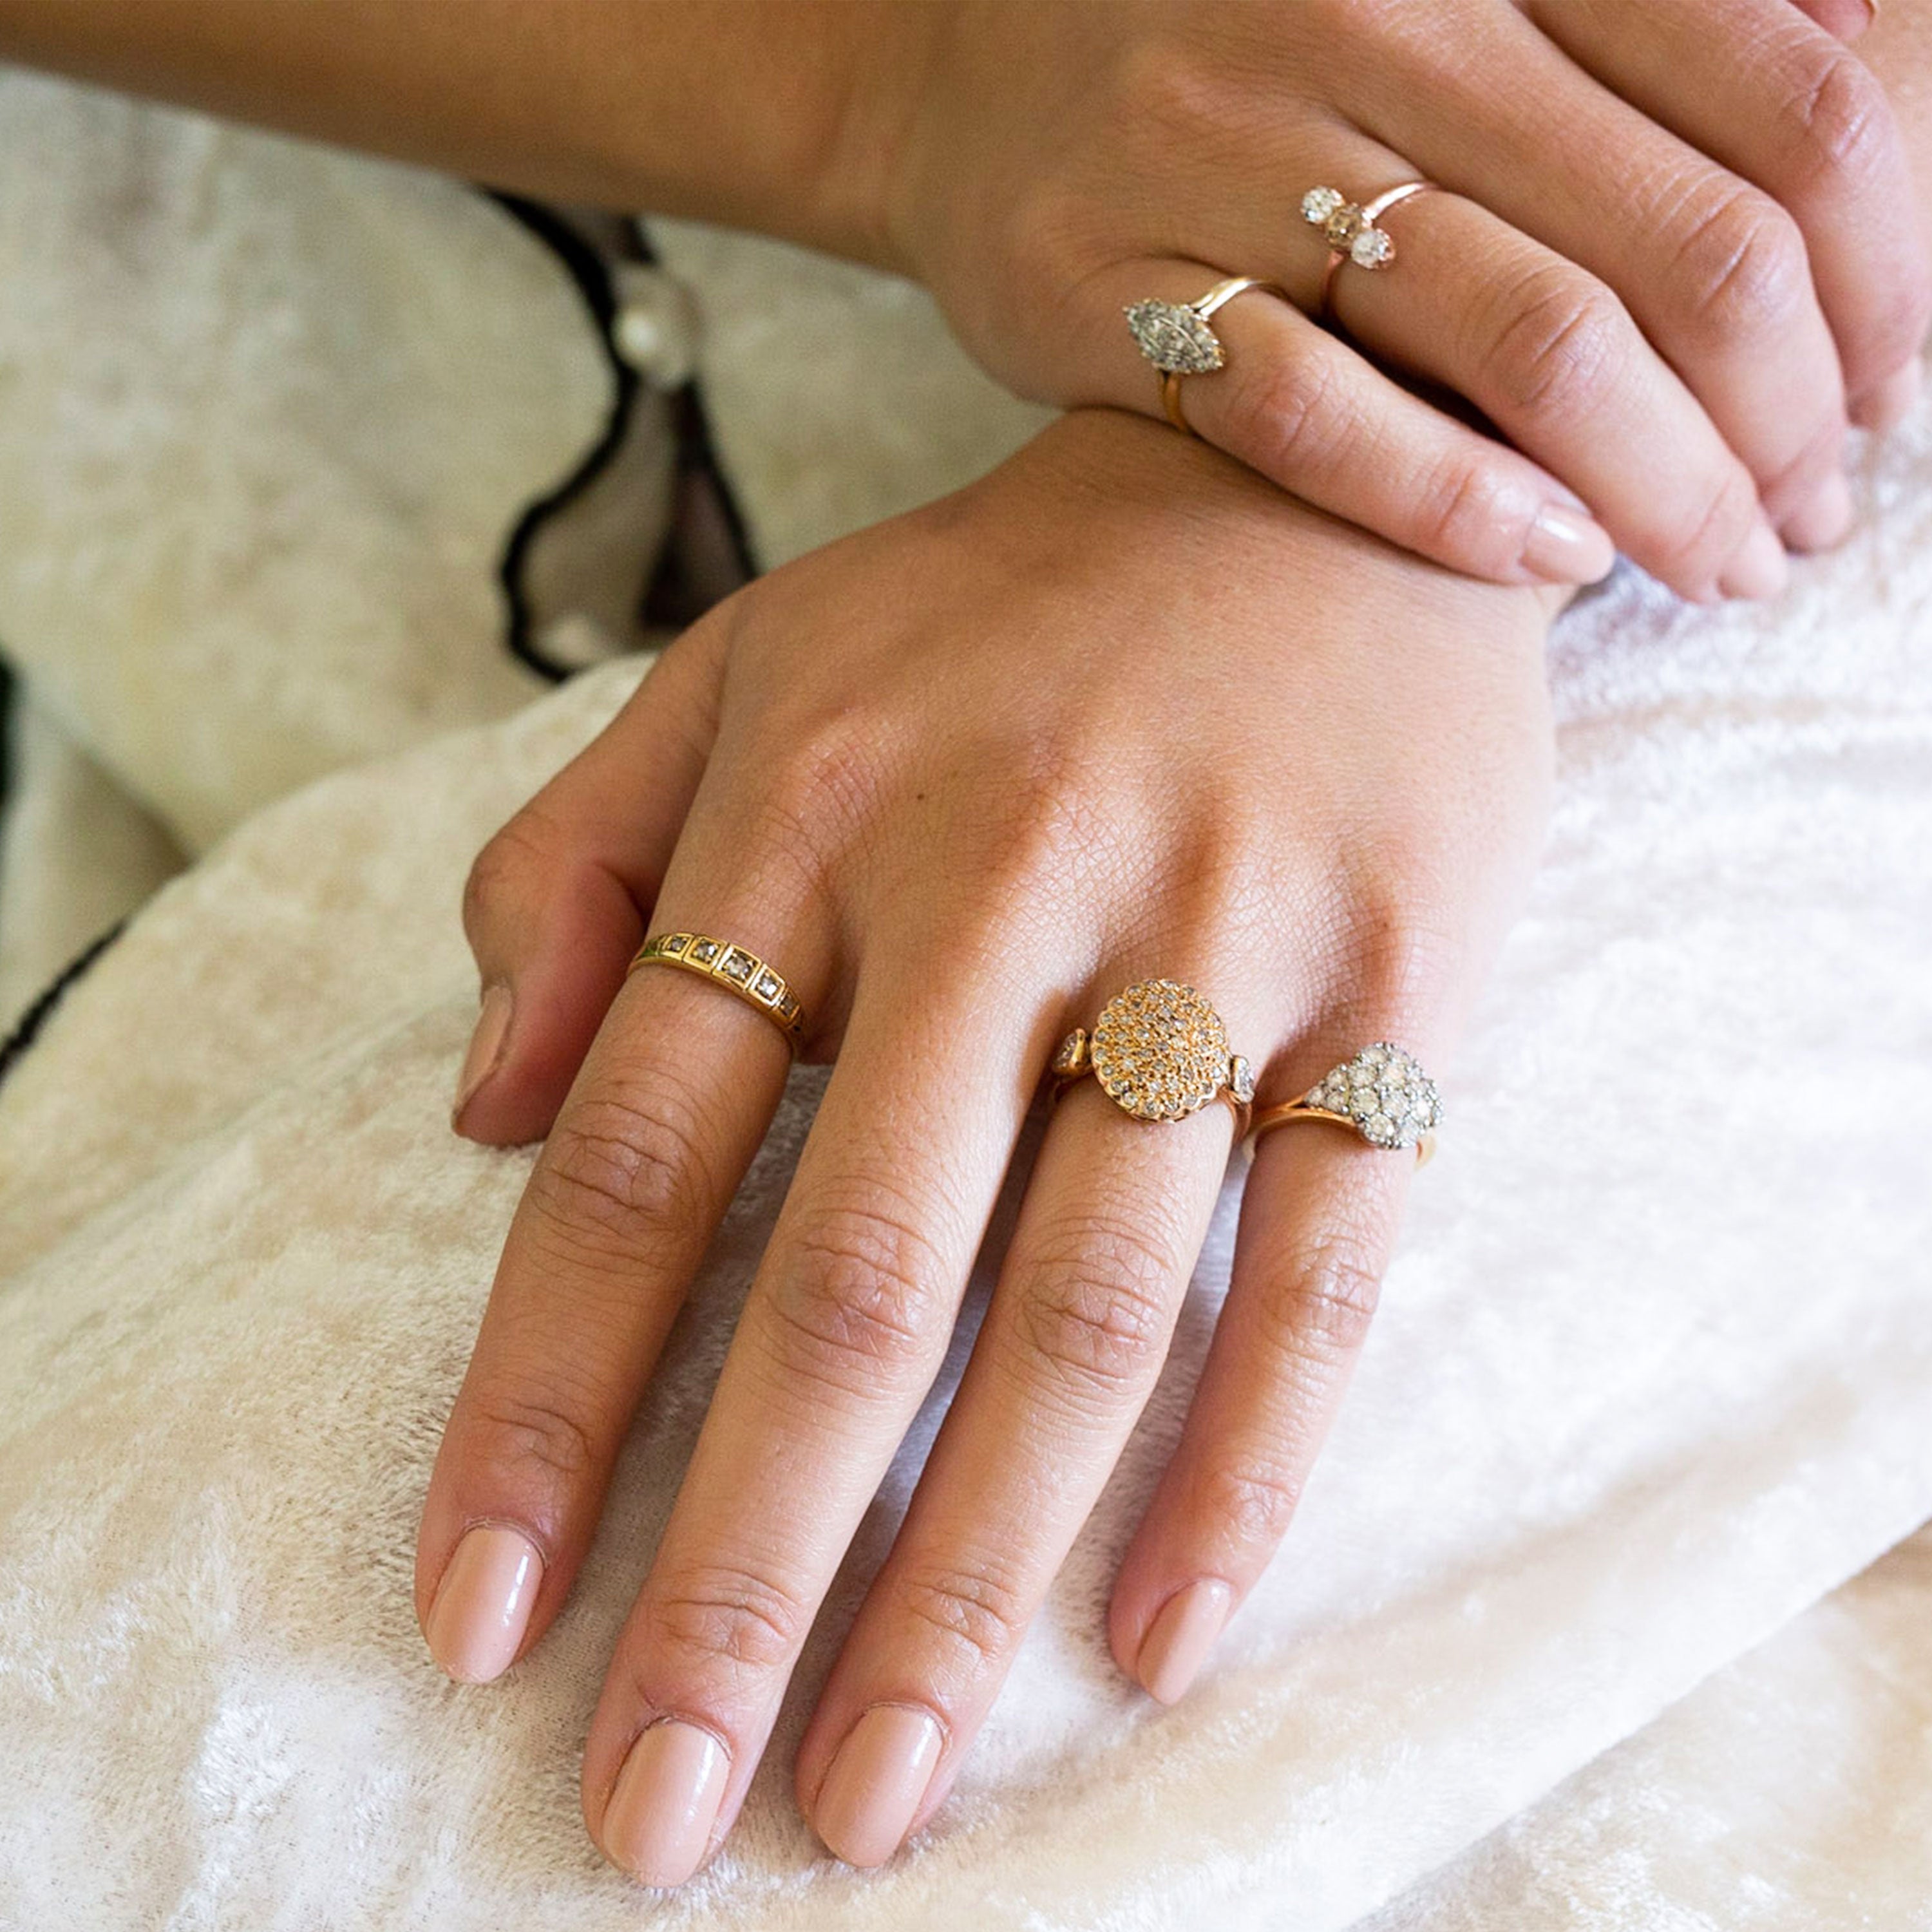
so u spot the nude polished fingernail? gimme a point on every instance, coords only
(658, 1823)
(1564, 546)
(482, 1606)
(1181, 1635)
(486, 1048)
(1825, 519)
(880, 1774)
(1760, 568)
(1895, 399)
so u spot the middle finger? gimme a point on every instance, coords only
(1114, 1220)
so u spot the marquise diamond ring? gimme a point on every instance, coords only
(1174, 336)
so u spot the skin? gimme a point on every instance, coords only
(967, 774)
(1648, 234)
(1652, 230)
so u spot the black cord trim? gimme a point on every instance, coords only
(587, 270)
(27, 1028)
(698, 450)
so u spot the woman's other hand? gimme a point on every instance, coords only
(1672, 238)
(1120, 710)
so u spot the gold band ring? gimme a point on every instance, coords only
(1174, 336)
(1351, 230)
(1160, 1053)
(1382, 1093)
(734, 968)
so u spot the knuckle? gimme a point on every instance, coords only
(860, 1294)
(978, 1613)
(622, 1169)
(1389, 952)
(1698, 549)
(1464, 515)
(824, 778)
(516, 854)
(1739, 266)
(725, 1611)
(1253, 1503)
(1329, 1296)
(1292, 413)
(1095, 1312)
(1840, 121)
(522, 1433)
(1563, 339)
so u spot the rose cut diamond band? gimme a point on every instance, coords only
(1160, 1053)
(1174, 336)
(735, 969)
(1351, 230)
(1382, 1093)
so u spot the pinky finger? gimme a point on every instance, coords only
(1306, 410)
(1318, 1222)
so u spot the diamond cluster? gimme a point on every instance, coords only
(1160, 1050)
(1174, 339)
(1348, 229)
(1385, 1093)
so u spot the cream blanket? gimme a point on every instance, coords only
(1651, 1379)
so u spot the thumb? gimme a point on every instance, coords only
(559, 900)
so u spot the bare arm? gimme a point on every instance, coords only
(736, 111)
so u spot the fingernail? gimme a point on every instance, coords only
(1564, 546)
(1895, 399)
(1181, 1635)
(1826, 519)
(486, 1047)
(1760, 568)
(876, 1782)
(658, 1821)
(482, 1606)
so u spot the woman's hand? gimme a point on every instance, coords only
(1675, 236)
(1119, 710)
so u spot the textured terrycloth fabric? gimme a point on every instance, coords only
(1789, 1794)
(1650, 1378)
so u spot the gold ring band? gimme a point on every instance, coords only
(733, 968)
(1160, 1053)
(1174, 336)
(1381, 1094)
(1351, 230)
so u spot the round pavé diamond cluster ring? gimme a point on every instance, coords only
(1160, 1053)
